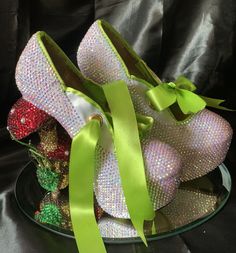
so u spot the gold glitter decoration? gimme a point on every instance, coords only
(64, 181)
(48, 137)
(61, 167)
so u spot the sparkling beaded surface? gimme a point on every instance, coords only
(162, 164)
(56, 203)
(201, 205)
(24, 119)
(118, 228)
(54, 144)
(39, 84)
(98, 211)
(59, 208)
(49, 214)
(202, 141)
(52, 175)
(47, 178)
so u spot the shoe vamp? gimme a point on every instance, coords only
(202, 140)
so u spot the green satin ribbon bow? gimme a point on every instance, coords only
(131, 166)
(182, 92)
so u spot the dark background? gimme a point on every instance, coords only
(194, 38)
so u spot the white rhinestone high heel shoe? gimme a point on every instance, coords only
(43, 75)
(202, 139)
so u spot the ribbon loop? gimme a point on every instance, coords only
(129, 155)
(189, 102)
(184, 83)
(162, 96)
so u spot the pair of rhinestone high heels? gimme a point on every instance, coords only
(176, 146)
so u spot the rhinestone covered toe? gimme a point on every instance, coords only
(162, 172)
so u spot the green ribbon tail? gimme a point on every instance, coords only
(129, 155)
(215, 103)
(81, 197)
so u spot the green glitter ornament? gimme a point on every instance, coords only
(48, 179)
(49, 214)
